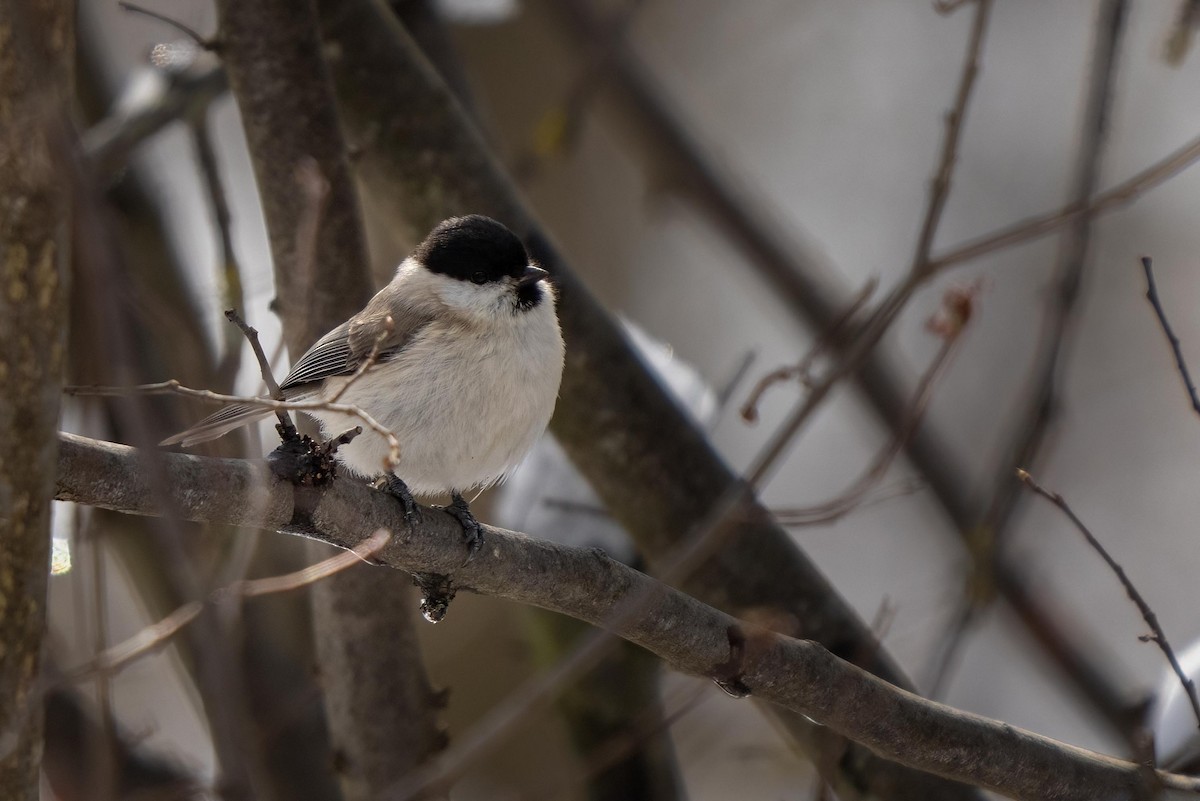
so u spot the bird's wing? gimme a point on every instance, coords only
(342, 350)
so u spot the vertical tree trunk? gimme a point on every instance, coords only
(382, 712)
(36, 46)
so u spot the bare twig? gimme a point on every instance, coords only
(940, 190)
(157, 635)
(287, 430)
(890, 307)
(802, 371)
(1034, 227)
(948, 324)
(1176, 347)
(173, 387)
(1158, 636)
(268, 375)
(189, 32)
(852, 496)
(990, 571)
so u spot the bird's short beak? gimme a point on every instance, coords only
(531, 276)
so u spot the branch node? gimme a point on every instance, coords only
(728, 674)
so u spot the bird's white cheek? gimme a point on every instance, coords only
(471, 298)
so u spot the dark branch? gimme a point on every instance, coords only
(1176, 347)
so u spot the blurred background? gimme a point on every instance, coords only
(821, 121)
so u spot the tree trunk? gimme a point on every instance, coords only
(36, 47)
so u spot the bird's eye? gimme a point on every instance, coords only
(479, 278)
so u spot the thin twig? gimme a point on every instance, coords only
(191, 33)
(264, 365)
(268, 375)
(802, 280)
(940, 191)
(948, 323)
(1158, 636)
(173, 387)
(850, 498)
(1038, 405)
(1035, 227)
(802, 371)
(1176, 347)
(890, 307)
(157, 635)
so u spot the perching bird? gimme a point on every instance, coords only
(466, 379)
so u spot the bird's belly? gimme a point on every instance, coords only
(460, 422)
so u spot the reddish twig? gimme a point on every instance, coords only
(948, 323)
(802, 371)
(1158, 636)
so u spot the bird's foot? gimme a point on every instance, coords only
(399, 490)
(472, 530)
(305, 462)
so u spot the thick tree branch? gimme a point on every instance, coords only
(36, 55)
(382, 709)
(691, 636)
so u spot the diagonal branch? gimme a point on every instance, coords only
(1158, 636)
(692, 637)
(437, 163)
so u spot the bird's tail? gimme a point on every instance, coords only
(218, 424)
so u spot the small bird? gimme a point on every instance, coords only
(469, 360)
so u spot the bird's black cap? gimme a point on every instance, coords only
(473, 248)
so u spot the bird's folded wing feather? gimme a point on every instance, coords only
(340, 352)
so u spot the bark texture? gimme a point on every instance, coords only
(36, 47)
(693, 637)
(382, 711)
